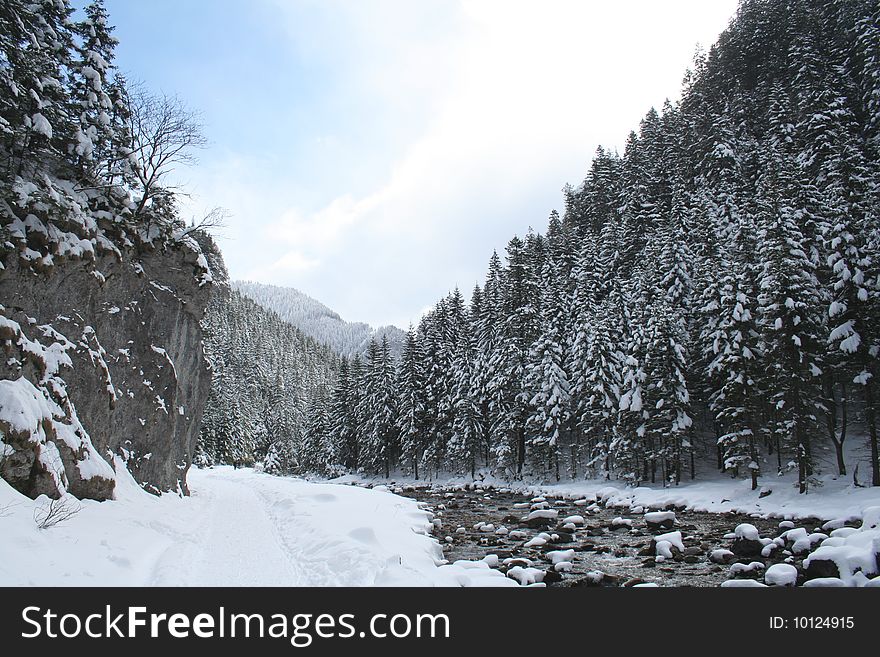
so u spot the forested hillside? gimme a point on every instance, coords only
(265, 375)
(710, 293)
(317, 320)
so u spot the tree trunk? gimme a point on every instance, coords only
(832, 423)
(871, 420)
(521, 449)
(802, 468)
(841, 464)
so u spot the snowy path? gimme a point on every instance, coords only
(238, 528)
(234, 542)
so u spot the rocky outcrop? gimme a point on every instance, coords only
(103, 360)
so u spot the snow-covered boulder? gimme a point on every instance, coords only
(557, 556)
(781, 574)
(541, 518)
(746, 568)
(721, 556)
(825, 582)
(660, 520)
(742, 583)
(667, 545)
(526, 576)
(854, 557)
(747, 541)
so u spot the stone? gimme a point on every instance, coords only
(596, 578)
(657, 520)
(129, 320)
(721, 556)
(821, 568)
(747, 547)
(552, 577)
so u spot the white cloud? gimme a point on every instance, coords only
(501, 102)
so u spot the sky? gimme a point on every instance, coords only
(373, 153)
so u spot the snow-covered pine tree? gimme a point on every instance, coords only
(378, 410)
(410, 422)
(789, 299)
(91, 103)
(546, 380)
(317, 452)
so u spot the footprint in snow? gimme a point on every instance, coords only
(364, 535)
(120, 561)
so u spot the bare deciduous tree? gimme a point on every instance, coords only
(164, 133)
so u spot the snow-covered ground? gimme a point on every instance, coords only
(244, 528)
(238, 528)
(830, 497)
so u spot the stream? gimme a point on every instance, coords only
(605, 554)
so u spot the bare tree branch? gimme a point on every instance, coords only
(56, 511)
(164, 133)
(213, 221)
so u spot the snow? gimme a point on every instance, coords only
(747, 532)
(781, 574)
(830, 497)
(663, 549)
(238, 528)
(854, 553)
(537, 541)
(658, 517)
(746, 568)
(825, 582)
(547, 514)
(720, 555)
(742, 583)
(558, 556)
(41, 125)
(23, 407)
(318, 321)
(527, 575)
(667, 541)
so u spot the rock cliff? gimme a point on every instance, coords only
(103, 361)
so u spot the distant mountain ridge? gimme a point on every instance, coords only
(318, 321)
